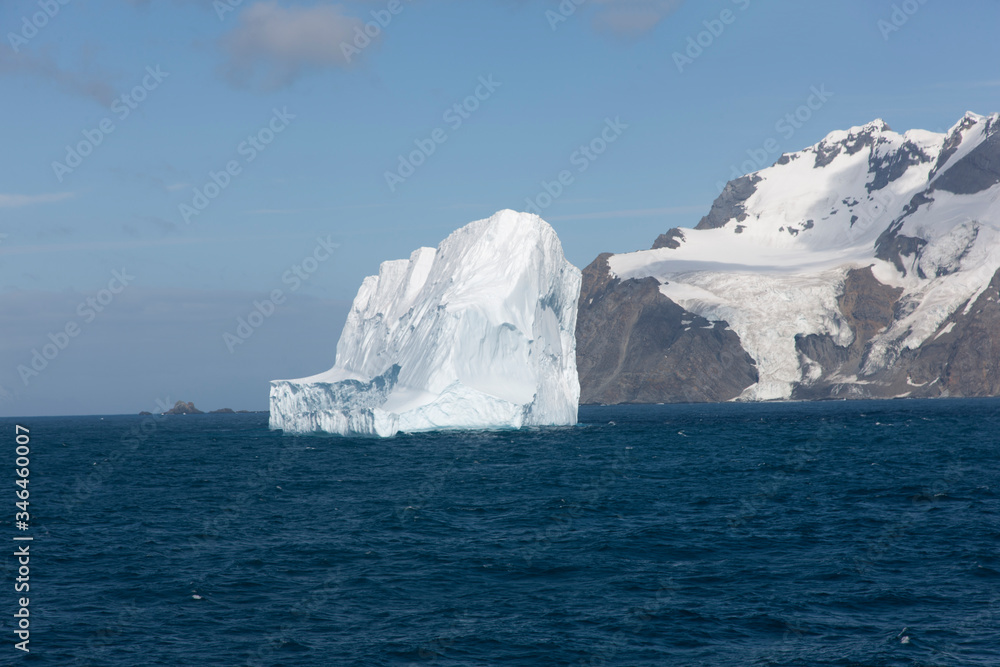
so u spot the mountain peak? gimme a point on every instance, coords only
(877, 125)
(863, 266)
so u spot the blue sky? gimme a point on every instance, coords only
(206, 90)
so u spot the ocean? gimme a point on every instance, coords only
(806, 534)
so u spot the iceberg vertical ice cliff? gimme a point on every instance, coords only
(476, 334)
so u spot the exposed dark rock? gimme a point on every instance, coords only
(951, 144)
(828, 152)
(977, 171)
(223, 411)
(635, 345)
(898, 246)
(144, 413)
(890, 166)
(867, 307)
(731, 203)
(822, 350)
(892, 246)
(671, 239)
(961, 359)
(182, 408)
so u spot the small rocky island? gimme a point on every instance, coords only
(182, 408)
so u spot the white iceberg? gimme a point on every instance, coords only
(476, 334)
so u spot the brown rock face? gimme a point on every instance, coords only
(182, 408)
(867, 307)
(963, 358)
(672, 239)
(635, 345)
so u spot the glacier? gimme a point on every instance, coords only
(478, 333)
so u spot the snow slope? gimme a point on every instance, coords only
(475, 334)
(771, 258)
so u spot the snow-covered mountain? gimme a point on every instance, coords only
(477, 333)
(866, 265)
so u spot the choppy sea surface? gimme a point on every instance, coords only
(852, 533)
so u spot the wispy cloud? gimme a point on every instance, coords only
(632, 18)
(272, 45)
(13, 201)
(43, 66)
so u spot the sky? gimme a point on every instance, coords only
(192, 190)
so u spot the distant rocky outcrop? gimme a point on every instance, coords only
(182, 408)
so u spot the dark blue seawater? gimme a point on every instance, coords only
(860, 533)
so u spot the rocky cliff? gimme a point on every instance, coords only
(867, 265)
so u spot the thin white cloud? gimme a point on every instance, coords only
(43, 66)
(13, 201)
(632, 18)
(273, 45)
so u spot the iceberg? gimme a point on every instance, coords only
(478, 333)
